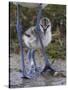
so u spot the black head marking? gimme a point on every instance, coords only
(28, 35)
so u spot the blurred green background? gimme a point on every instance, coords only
(57, 15)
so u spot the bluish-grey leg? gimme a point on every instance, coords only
(47, 65)
(19, 28)
(30, 63)
(33, 57)
(29, 55)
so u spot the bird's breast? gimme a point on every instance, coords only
(33, 42)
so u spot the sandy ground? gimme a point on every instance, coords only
(42, 80)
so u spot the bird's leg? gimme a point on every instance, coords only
(33, 57)
(29, 57)
(47, 65)
(31, 60)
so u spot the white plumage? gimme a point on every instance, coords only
(32, 41)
